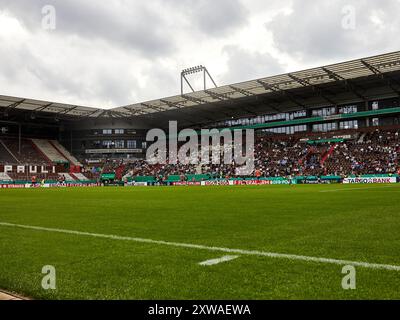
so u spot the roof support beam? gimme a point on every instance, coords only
(278, 90)
(201, 101)
(108, 113)
(243, 107)
(173, 105)
(348, 84)
(117, 114)
(371, 67)
(176, 105)
(42, 108)
(218, 96)
(193, 99)
(67, 111)
(104, 112)
(14, 105)
(136, 112)
(273, 107)
(389, 80)
(333, 75)
(159, 109)
(306, 83)
(242, 91)
(89, 114)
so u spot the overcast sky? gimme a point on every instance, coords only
(118, 52)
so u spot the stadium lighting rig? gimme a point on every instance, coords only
(193, 70)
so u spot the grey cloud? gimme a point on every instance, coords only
(125, 51)
(213, 18)
(116, 90)
(244, 65)
(314, 29)
(163, 81)
(111, 85)
(126, 24)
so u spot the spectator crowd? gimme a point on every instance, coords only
(375, 152)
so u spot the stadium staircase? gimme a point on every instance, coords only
(67, 176)
(361, 139)
(65, 153)
(6, 156)
(328, 154)
(79, 176)
(28, 154)
(49, 151)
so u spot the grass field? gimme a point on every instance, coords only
(359, 223)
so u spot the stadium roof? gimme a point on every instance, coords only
(376, 65)
(266, 95)
(8, 104)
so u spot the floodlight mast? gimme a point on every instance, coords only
(193, 70)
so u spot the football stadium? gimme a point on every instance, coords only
(79, 194)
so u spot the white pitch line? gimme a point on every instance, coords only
(349, 189)
(219, 249)
(218, 260)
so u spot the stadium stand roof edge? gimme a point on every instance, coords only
(283, 84)
(8, 103)
(344, 71)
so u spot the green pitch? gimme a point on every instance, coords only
(359, 223)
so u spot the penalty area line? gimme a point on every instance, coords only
(211, 248)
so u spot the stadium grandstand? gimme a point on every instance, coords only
(323, 124)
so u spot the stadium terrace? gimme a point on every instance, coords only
(324, 124)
